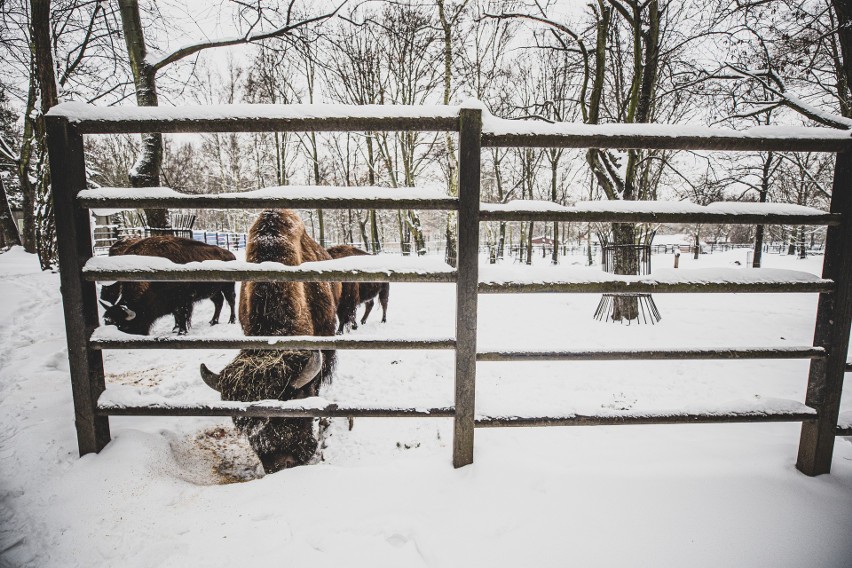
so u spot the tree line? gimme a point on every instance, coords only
(720, 63)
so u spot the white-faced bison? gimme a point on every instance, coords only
(133, 307)
(280, 308)
(357, 293)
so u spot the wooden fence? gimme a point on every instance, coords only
(819, 414)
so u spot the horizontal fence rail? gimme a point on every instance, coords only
(293, 197)
(268, 409)
(272, 343)
(819, 415)
(804, 352)
(614, 212)
(804, 415)
(89, 119)
(498, 132)
(332, 197)
(649, 285)
(133, 268)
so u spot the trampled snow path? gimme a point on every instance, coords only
(386, 494)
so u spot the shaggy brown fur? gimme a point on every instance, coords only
(356, 293)
(281, 308)
(153, 300)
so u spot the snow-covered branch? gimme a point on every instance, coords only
(770, 81)
(248, 38)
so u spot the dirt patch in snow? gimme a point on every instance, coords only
(216, 456)
(144, 378)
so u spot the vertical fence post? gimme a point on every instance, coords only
(79, 298)
(834, 317)
(470, 139)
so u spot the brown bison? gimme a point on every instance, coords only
(280, 308)
(133, 307)
(357, 293)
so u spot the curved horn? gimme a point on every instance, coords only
(105, 305)
(128, 313)
(210, 378)
(311, 370)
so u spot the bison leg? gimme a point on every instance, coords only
(218, 300)
(347, 308)
(368, 307)
(183, 318)
(383, 300)
(230, 294)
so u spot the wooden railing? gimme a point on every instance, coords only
(819, 413)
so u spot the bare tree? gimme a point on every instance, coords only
(9, 235)
(355, 74)
(449, 17)
(411, 44)
(486, 72)
(57, 48)
(265, 24)
(629, 56)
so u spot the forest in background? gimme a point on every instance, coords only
(719, 63)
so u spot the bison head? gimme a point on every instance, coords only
(124, 318)
(263, 375)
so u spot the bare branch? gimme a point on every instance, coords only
(249, 38)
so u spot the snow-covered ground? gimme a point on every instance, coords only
(163, 493)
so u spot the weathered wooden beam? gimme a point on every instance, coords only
(650, 286)
(90, 119)
(710, 139)
(272, 343)
(625, 420)
(79, 298)
(292, 274)
(466, 285)
(134, 199)
(834, 318)
(709, 217)
(229, 408)
(806, 352)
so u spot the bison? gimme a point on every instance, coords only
(355, 293)
(133, 307)
(280, 308)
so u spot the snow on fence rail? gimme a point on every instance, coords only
(819, 413)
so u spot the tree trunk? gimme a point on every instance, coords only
(450, 253)
(626, 262)
(697, 250)
(146, 171)
(554, 163)
(315, 160)
(501, 240)
(8, 228)
(374, 233)
(843, 10)
(403, 245)
(371, 179)
(28, 190)
(764, 192)
(530, 242)
(49, 96)
(758, 247)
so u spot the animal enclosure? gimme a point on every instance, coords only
(79, 270)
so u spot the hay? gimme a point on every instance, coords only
(261, 375)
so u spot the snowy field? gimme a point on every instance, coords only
(187, 491)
